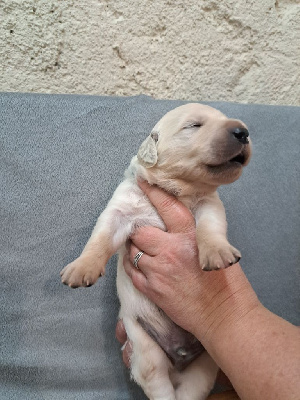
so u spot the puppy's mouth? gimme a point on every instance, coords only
(239, 160)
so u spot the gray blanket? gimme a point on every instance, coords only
(61, 159)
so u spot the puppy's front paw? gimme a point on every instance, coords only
(81, 272)
(216, 256)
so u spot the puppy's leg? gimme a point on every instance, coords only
(197, 380)
(110, 232)
(149, 364)
(215, 251)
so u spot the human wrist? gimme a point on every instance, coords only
(228, 297)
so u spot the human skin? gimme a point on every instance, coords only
(256, 349)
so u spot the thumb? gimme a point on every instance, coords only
(176, 216)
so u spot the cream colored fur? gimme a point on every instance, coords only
(187, 154)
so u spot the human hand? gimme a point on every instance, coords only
(121, 336)
(169, 268)
(169, 273)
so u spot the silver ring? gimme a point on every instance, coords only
(136, 259)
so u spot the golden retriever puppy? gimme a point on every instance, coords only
(191, 151)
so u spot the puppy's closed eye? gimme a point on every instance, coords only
(193, 125)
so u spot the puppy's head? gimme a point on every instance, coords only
(197, 144)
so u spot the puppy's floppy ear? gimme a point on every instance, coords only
(147, 154)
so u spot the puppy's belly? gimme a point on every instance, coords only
(180, 346)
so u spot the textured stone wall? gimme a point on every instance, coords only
(233, 50)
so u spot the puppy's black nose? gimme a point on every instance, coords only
(241, 134)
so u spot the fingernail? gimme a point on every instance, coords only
(128, 346)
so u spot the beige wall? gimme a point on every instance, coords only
(233, 50)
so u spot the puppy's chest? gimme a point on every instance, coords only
(145, 214)
(133, 207)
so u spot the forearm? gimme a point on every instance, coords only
(259, 355)
(256, 349)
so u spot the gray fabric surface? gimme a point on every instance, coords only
(61, 158)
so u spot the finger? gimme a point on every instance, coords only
(143, 262)
(121, 334)
(149, 240)
(139, 280)
(126, 353)
(175, 215)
